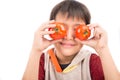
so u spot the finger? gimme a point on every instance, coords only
(47, 25)
(46, 32)
(93, 26)
(96, 27)
(98, 32)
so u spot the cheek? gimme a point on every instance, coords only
(57, 46)
(78, 47)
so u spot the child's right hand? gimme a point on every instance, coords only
(40, 43)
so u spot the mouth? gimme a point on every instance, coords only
(67, 45)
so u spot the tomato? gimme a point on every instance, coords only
(60, 31)
(82, 32)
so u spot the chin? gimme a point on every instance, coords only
(69, 52)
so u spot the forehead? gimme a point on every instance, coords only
(60, 17)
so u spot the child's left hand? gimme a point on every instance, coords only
(99, 39)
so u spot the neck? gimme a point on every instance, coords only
(64, 59)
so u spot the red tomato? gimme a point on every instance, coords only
(60, 31)
(83, 32)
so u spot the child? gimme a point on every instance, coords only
(67, 60)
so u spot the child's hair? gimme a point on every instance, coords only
(73, 9)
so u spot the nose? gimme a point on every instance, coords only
(70, 34)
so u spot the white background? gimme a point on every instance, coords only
(20, 18)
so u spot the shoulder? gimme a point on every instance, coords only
(95, 61)
(41, 68)
(41, 63)
(96, 68)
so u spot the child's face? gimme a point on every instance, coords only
(68, 46)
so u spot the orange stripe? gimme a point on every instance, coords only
(54, 61)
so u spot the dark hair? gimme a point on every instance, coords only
(73, 9)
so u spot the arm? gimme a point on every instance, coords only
(31, 72)
(39, 44)
(100, 43)
(109, 67)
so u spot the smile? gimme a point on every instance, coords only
(67, 44)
